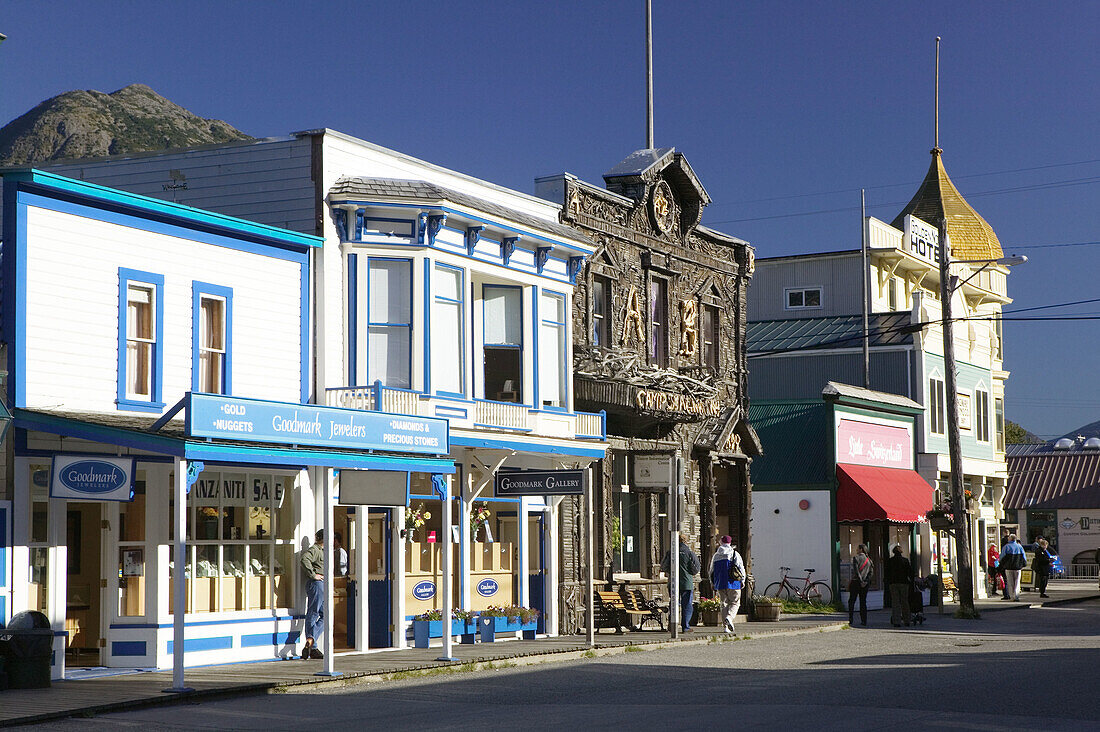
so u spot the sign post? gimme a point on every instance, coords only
(674, 550)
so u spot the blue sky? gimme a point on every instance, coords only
(785, 110)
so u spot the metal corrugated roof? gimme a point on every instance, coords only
(1053, 480)
(430, 193)
(843, 331)
(795, 437)
(835, 388)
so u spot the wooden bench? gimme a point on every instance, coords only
(610, 611)
(644, 609)
(949, 588)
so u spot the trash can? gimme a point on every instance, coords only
(26, 646)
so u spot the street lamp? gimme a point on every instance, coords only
(948, 284)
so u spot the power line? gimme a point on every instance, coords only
(900, 185)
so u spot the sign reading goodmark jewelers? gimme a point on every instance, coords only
(539, 483)
(92, 478)
(252, 420)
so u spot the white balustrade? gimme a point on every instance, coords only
(501, 414)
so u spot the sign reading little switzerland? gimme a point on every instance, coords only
(253, 420)
(539, 483)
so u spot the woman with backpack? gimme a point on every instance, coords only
(862, 571)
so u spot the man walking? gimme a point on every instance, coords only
(862, 571)
(313, 565)
(899, 575)
(1012, 561)
(689, 567)
(727, 573)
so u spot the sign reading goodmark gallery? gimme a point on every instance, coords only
(253, 420)
(539, 483)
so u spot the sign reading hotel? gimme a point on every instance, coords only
(253, 420)
(922, 240)
(539, 483)
(877, 445)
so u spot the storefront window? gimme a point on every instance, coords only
(242, 523)
(131, 552)
(38, 586)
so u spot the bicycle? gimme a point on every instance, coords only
(814, 593)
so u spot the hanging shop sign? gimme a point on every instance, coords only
(539, 483)
(655, 400)
(374, 488)
(253, 420)
(652, 473)
(92, 478)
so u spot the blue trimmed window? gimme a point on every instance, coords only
(389, 322)
(211, 339)
(447, 332)
(140, 340)
(502, 326)
(552, 350)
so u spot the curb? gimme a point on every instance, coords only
(320, 684)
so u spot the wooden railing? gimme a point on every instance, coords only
(591, 425)
(505, 415)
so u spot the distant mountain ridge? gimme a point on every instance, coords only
(88, 123)
(1089, 430)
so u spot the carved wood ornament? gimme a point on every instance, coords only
(632, 318)
(689, 329)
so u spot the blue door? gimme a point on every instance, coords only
(537, 572)
(379, 578)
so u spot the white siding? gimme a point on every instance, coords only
(72, 311)
(784, 535)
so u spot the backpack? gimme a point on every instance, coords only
(736, 575)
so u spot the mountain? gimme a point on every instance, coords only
(85, 124)
(1089, 430)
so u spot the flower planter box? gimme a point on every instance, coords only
(709, 618)
(489, 627)
(425, 630)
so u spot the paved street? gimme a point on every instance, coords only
(1026, 668)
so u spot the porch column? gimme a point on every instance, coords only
(444, 485)
(464, 540)
(523, 559)
(361, 569)
(327, 479)
(550, 604)
(179, 581)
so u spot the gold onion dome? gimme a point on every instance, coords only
(970, 235)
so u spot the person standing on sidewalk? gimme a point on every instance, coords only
(313, 566)
(689, 567)
(727, 573)
(1041, 566)
(899, 575)
(1012, 561)
(862, 571)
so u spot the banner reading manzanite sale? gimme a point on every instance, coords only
(539, 483)
(252, 420)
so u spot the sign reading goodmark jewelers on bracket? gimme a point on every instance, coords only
(92, 478)
(539, 483)
(253, 420)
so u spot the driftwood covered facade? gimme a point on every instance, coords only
(659, 327)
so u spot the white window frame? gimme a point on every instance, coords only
(981, 416)
(802, 291)
(937, 405)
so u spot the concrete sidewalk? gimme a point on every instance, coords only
(133, 690)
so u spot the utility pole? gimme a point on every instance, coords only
(965, 579)
(649, 74)
(866, 290)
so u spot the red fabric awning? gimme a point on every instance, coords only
(881, 494)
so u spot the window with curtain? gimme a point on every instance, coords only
(658, 321)
(212, 344)
(981, 416)
(601, 312)
(503, 342)
(552, 332)
(140, 340)
(710, 336)
(937, 406)
(389, 322)
(447, 338)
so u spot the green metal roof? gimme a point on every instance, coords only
(843, 331)
(797, 446)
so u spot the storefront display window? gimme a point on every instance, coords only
(131, 551)
(38, 587)
(241, 522)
